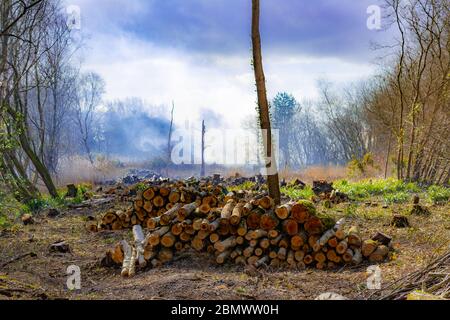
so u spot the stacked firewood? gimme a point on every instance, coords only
(156, 200)
(252, 232)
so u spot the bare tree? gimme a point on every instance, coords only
(90, 90)
(345, 120)
(421, 82)
(169, 139)
(25, 8)
(20, 53)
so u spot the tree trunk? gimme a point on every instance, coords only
(169, 140)
(396, 5)
(202, 171)
(23, 175)
(40, 167)
(386, 164)
(272, 178)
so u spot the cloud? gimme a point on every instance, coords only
(197, 53)
(330, 28)
(197, 82)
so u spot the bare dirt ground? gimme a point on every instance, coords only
(42, 274)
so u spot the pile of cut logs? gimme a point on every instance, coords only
(155, 200)
(253, 232)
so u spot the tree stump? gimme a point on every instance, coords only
(382, 238)
(322, 186)
(61, 247)
(52, 213)
(27, 219)
(420, 211)
(399, 221)
(298, 184)
(72, 191)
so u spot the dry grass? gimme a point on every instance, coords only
(79, 170)
(309, 174)
(329, 173)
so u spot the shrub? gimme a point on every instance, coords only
(360, 167)
(35, 205)
(4, 221)
(84, 187)
(45, 201)
(10, 209)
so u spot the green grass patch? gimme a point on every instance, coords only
(373, 187)
(141, 186)
(353, 210)
(60, 202)
(297, 193)
(397, 197)
(392, 190)
(248, 185)
(438, 194)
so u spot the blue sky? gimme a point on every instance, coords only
(198, 52)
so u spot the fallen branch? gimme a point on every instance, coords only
(425, 279)
(31, 254)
